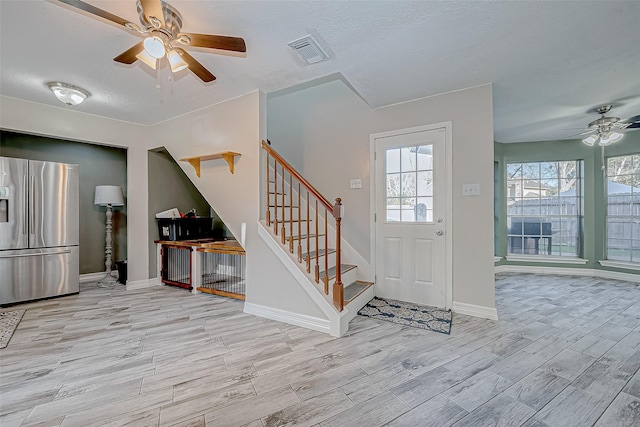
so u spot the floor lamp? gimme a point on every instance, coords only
(108, 195)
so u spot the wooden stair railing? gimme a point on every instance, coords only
(277, 172)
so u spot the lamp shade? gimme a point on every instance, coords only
(108, 195)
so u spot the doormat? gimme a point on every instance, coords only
(409, 314)
(9, 321)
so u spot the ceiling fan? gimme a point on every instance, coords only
(161, 29)
(607, 130)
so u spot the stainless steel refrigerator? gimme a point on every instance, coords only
(39, 230)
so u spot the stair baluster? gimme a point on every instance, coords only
(308, 234)
(299, 226)
(291, 214)
(275, 196)
(317, 270)
(268, 213)
(325, 279)
(283, 229)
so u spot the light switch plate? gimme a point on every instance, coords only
(470, 189)
(355, 183)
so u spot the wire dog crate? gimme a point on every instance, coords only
(176, 266)
(211, 267)
(222, 269)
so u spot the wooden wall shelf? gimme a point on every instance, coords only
(228, 156)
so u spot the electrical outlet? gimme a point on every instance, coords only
(355, 183)
(470, 189)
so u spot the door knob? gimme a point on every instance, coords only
(439, 232)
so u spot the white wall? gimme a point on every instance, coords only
(66, 123)
(236, 125)
(324, 132)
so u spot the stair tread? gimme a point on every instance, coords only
(354, 289)
(343, 269)
(286, 206)
(280, 221)
(321, 252)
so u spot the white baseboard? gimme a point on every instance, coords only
(144, 283)
(475, 310)
(302, 320)
(92, 277)
(563, 271)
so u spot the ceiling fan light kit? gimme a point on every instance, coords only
(154, 46)
(68, 93)
(175, 61)
(147, 59)
(161, 29)
(604, 128)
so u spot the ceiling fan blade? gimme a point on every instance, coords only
(152, 8)
(196, 67)
(129, 55)
(96, 11)
(235, 44)
(632, 122)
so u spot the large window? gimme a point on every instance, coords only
(544, 208)
(623, 208)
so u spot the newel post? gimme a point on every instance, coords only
(338, 289)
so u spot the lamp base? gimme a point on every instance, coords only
(108, 280)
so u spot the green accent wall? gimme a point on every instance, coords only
(170, 187)
(99, 165)
(594, 243)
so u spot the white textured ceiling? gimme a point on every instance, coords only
(551, 62)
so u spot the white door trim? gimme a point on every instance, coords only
(449, 195)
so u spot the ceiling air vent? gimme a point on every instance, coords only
(308, 50)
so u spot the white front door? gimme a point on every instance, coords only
(411, 173)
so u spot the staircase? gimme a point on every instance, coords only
(304, 230)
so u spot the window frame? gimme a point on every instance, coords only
(545, 213)
(633, 213)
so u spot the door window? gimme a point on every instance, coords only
(409, 190)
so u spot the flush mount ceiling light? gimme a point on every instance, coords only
(68, 93)
(605, 130)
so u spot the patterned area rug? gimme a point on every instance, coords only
(409, 314)
(9, 321)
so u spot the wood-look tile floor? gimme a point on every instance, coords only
(565, 352)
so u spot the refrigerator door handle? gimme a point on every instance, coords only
(25, 218)
(31, 210)
(66, 251)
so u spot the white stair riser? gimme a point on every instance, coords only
(349, 277)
